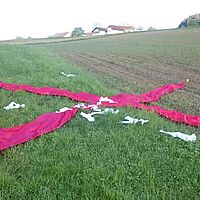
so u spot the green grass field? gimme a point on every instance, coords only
(104, 159)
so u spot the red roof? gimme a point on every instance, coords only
(121, 28)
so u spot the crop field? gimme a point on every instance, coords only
(103, 159)
(141, 61)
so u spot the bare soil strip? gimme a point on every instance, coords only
(145, 72)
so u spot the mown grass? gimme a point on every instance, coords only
(83, 160)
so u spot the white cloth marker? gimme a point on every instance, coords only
(185, 137)
(80, 105)
(104, 99)
(68, 75)
(63, 110)
(143, 121)
(13, 105)
(130, 120)
(87, 116)
(110, 110)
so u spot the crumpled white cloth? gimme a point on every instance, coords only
(64, 109)
(107, 110)
(104, 99)
(68, 75)
(93, 107)
(13, 105)
(110, 110)
(80, 105)
(130, 120)
(89, 116)
(185, 137)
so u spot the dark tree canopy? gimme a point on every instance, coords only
(191, 21)
(183, 24)
(77, 32)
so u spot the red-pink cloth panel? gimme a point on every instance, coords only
(43, 124)
(51, 121)
(156, 94)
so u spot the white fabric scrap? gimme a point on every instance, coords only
(110, 110)
(89, 116)
(63, 110)
(104, 99)
(185, 137)
(107, 110)
(13, 105)
(94, 107)
(68, 75)
(143, 121)
(80, 105)
(130, 120)
(91, 106)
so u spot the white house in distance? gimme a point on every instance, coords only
(62, 35)
(99, 31)
(88, 34)
(113, 29)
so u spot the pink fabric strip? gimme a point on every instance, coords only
(51, 121)
(156, 94)
(36, 90)
(151, 96)
(43, 124)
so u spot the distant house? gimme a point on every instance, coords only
(99, 31)
(112, 29)
(62, 35)
(88, 34)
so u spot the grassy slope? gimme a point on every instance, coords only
(101, 160)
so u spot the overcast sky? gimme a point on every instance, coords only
(41, 18)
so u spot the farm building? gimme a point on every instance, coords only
(99, 31)
(62, 35)
(88, 34)
(112, 29)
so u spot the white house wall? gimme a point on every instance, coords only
(129, 31)
(110, 31)
(67, 35)
(100, 33)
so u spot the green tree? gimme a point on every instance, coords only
(77, 32)
(151, 28)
